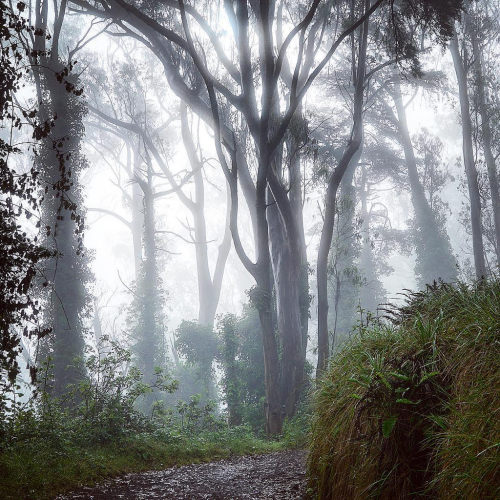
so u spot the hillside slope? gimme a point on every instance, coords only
(411, 408)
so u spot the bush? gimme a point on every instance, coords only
(411, 407)
(48, 445)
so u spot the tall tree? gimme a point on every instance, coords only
(250, 87)
(485, 26)
(348, 161)
(434, 255)
(462, 67)
(61, 162)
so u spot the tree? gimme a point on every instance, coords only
(20, 249)
(461, 64)
(400, 42)
(484, 26)
(209, 284)
(169, 31)
(434, 256)
(61, 162)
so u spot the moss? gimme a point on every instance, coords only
(411, 408)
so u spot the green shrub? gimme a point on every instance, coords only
(48, 445)
(411, 408)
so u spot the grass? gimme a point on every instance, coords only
(36, 471)
(411, 408)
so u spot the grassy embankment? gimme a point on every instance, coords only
(411, 409)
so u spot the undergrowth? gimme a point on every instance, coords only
(409, 407)
(50, 445)
(39, 470)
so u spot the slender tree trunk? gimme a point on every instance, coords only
(296, 202)
(150, 341)
(342, 257)
(209, 287)
(325, 243)
(468, 153)
(372, 293)
(137, 209)
(486, 137)
(434, 253)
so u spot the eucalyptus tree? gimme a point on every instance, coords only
(460, 53)
(247, 92)
(396, 38)
(124, 114)
(266, 127)
(148, 133)
(61, 161)
(484, 28)
(209, 283)
(388, 114)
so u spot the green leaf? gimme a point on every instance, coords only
(405, 401)
(356, 396)
(356, 381)
(399, 376)
(387, 426)
(384, 380)
(427, 376)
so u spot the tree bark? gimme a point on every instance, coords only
(325, 243)
(60, 162)
(486, 139)
(468, 154)
(435, 256)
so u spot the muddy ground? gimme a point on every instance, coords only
(278, 475)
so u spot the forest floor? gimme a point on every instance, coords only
(279, 475)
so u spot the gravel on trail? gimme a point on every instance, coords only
(279, 475)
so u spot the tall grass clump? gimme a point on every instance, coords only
(410, 407)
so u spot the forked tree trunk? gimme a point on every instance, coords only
(209, 284)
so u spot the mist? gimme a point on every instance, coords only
(217, 216)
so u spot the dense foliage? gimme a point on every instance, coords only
(409, 408)
(47, 446)
(20, 250)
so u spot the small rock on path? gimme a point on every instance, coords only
(279, 476)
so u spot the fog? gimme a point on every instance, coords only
(227, 193)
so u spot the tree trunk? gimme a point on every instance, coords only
(61, 162)
(342, 257)
(486, 137)
(264, 304)
(137, 214)
(287, 289)
(468, 153)
(372, 293)
(434, 256)
(296, 202)
(208, 288)
(325, 243)
(150, 343)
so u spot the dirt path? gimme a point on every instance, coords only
(278, 475)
